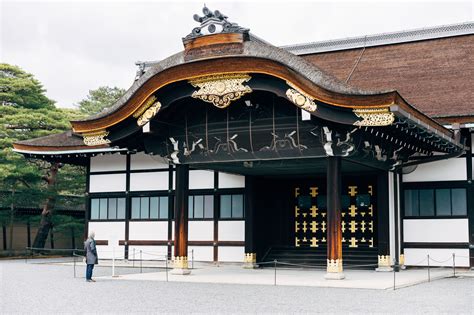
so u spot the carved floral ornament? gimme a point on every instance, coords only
(300, 98)
(374, 117)
(220, 90)
(149, 114)
(96, 138)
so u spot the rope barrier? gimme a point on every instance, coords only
(440, 262)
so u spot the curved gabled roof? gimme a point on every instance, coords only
(249, 56)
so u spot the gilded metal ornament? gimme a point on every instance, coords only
(96, 138)
(220, 90)
(300, 99)
(334, 265)
(374, 117)
(384, 260)
(145, 106)
(149, 114)
(250, 258)
(180, 262)
(401, 260)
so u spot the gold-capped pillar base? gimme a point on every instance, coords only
(250, 261)
(384, 263)
(401, 261)
(180, 266)
(334, 270)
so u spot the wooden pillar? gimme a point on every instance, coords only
(383, 224)
(396, 206)
(28, 232)
(180, 260)
(4, 234)
(334, 230)
(87, 205)
(128, 205)
(250, 259)
(470, 199)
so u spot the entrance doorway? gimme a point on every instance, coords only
(292, 214)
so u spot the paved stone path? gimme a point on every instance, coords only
(46, 288)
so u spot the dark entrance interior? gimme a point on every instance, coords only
(290, 219)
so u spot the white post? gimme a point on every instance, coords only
(113, 261)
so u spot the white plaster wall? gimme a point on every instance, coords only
(112, 232)
(108, 252)
(149, 181)
(231, 181)
(142, 161)
(445, 170)
(418, 256)
(148, 253)
(231, 253)
(108, 162)
(200, 230)
(199, 179)
(436, 230)
(172, 230)
(201, 253)
(156, 231)
(231, 231)
(107, 183)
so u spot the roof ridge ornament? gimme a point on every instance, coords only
(214, 22)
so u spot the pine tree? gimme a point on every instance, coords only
(26, 113)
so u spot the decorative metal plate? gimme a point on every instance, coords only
(220, 90)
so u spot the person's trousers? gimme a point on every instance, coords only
(89, 269)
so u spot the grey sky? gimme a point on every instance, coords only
(72, 47)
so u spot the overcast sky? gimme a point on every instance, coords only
(75, 46)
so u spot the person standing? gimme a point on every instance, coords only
(91, 256)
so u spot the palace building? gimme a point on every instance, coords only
(345, 152)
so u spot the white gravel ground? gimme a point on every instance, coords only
(45, 288)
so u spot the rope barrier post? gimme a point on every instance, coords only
(74, 262)
(275, 274)
(429, 276)
(113, 261)
(26, 255)
(141, 261)
(454, 265)
(166, 261)
(133, 265)
(192, 258)
(394, 275)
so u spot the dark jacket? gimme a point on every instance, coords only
(91, 252)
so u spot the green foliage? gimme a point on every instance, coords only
(26, 113)
(64, 223)
(99, 99)
(21, 89)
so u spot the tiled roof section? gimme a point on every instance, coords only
(65, 139)
(436, 76)
(382, 39)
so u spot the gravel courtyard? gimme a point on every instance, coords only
(46, 288)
